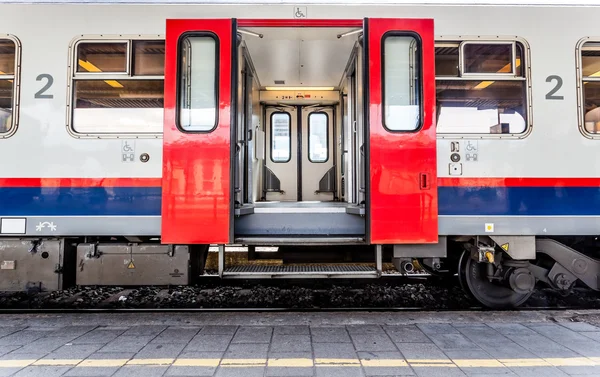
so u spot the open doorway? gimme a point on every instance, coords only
(300, 134)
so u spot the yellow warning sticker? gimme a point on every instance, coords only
(504, 246)
(131, 266)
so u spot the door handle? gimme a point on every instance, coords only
(424, 183)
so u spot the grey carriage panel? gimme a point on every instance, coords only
(132, 265)
(26, 265)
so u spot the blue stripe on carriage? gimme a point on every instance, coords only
(453, 201)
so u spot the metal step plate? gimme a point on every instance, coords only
(328, 271)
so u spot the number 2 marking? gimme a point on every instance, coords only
(40, 93)
(559, 83)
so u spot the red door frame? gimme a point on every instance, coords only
(196, 181)
(402, 180)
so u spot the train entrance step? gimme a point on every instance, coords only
(300, 272)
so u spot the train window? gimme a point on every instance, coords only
(318, 137)
(198, 84)
(487, 58)
(590, 72)
(281, 140)
(401, 83)
(99, 57)
(8, 86)
(481, 88)
(118, 87)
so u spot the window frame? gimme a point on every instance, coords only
(461, 60)
(525, 67)
(271, 136)
(74, 76)
(326, 136)
(419, 63)
(182, 37)
(16, 87)
(580, 86)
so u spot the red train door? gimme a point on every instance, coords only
(401, 106)
(196, 181)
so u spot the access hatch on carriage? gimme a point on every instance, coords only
(379, 128)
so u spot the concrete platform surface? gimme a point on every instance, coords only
(521, 343)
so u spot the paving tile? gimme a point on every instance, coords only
(195, 364)
(12, 363)
(571, 340)
(6, 349)
(594, 335)
(437, 328)
(542, 346)
(243, 351)
(141, 371)
(339, 371)
(176, 335)
(44, 345)
(334, 351)
(126, 344)
(72, 331)
(406, 334)
(329, 335)
(145, 330)
(218, 330)
(417, 351)
(241, 371)
(510, 328)
(372, 342)
(42, 371)
(208, 343)
(498, 346)
(365, 329)
(579, 326)
(9, 371)
(100, 364)
(291, 343)
(477, 362)
(73, 351)
(452, 341)
(253, 334)
(23, 337)
(100, 335)
(7, 330)
(428, 371)
(384, 364)
(538, 372)
(290, 364)
(160, 351)
(291, 330)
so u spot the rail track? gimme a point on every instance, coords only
(389, 294)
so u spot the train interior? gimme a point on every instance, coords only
(300, 138)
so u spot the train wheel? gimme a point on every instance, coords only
(473, 279)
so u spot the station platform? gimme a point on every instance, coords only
(521, 343)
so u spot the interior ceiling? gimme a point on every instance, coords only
(300, 56)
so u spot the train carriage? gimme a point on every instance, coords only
(461, 137)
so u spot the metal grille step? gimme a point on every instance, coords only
(300, 271)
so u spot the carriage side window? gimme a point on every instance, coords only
(401, 83)
(590, 74)
(318, 137)
(281, 138)
(481, 87)
(118, 87)
(198, 84)
(8, 86)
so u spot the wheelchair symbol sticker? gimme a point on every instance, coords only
(300, 12)
(471, 146)
(127, 151)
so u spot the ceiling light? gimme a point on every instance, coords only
(4, 73)
(505, 69)
(300, 88)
